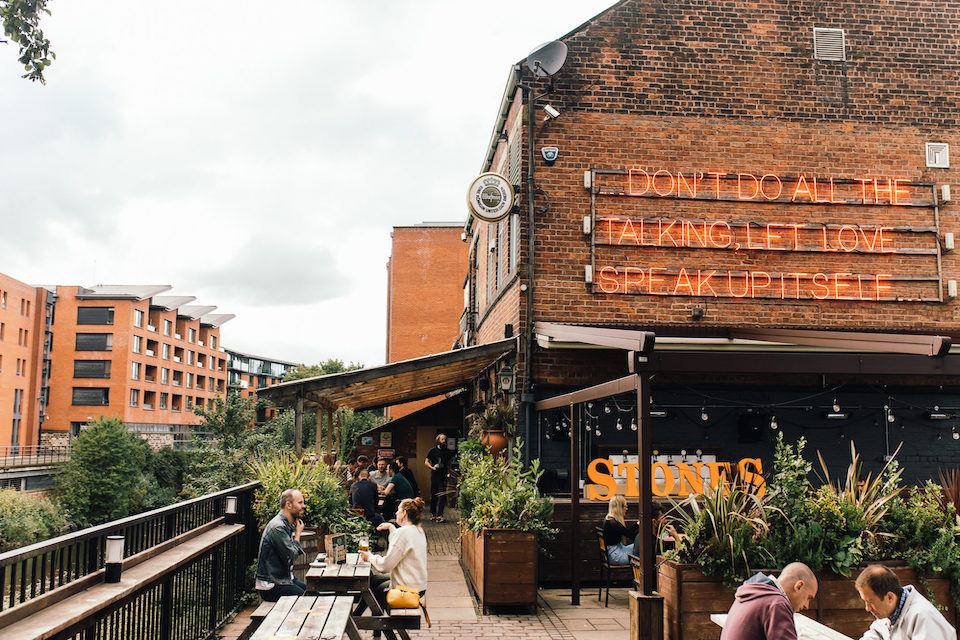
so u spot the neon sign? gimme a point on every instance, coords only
(688, 480)
(769, 187)
(904, 248)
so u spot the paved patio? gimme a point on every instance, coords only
(456, 614)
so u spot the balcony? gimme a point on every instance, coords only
(150, 352)
(150, 327)
(177, 359)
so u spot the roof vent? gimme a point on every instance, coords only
(938, 155)
(829, 44)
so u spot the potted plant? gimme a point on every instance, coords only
(835, 529)
(503, 520)
(495, 426)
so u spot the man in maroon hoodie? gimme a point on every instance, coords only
(764, 605)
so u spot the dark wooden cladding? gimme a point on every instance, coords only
(689, 597)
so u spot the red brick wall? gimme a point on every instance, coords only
(427, 268)
(22, 319)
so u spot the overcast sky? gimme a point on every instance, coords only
(255, 155)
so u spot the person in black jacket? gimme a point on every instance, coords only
(615, 531)
(363, 495)
(408, 474)
(437, 460)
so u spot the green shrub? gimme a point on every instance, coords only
(498, 493)
(25, 519)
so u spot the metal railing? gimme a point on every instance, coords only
(188, 604)
(30, 455)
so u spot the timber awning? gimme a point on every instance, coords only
(393, 383)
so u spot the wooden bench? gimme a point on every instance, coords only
(393, 620)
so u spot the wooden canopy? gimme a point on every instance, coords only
(391, 384)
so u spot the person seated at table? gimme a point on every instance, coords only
(352, 471)
(669, 536)
(363, 462)
(764, 605)
(408, 474)
(279, 549)
(405, 563)
(397, 489)
(615, 531)
(381, 475)
(901, 612)
(363, 495)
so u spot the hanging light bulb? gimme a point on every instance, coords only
(939, 436)
(606, 408)
(773, 423)
(703, 414)
(547, 436)
(598, 433)
(955, 435)
(890, 417)
(836, 406)
(588, 428)
(633, 424)
(589, 405)
(619, 425)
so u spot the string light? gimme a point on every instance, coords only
(619, 425)
(703, 414)
(633, 427)
(773, 423)
(606, 408)
(836, 406)
(955, 435)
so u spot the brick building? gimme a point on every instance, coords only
(23, 341)
(425, 298)
(247, 373)
(765, 187)
(131, 353)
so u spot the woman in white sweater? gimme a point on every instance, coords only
(406, 561)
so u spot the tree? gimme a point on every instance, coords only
(21, 23)
(99, 482)
(331, 365)
(229, 418)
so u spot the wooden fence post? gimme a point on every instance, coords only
(646, 616)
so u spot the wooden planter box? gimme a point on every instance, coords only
(501, 565)
(689, 597)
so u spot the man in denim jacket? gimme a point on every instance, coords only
(279, 549)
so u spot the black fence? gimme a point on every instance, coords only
(187, 603)
(32, 455)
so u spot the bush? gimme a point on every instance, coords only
(99, 483)
(495, 493)
(25, 519)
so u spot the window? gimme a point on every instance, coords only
(166, 352)
(502, 252)
(163, 400)
(94, 342)
(91, 368)
(190, 357)
(3, 299)
(189, 402)
(164, 376)
(192, 335)
(138, 318)
(94, 315)
(91, 396)
(166, 327)
(213, 342)
(134, 370)
(20, 367)
(134, 397)
(17, 400)
(137, 344)
(189, 381)
(209, 404)
(3, 326)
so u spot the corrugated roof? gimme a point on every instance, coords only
(121, 291)
(216, 319)
(194, 311)
(169, 303)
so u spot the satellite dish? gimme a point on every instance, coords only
(547, 59)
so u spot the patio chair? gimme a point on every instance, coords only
(637, 572)
(607, 569)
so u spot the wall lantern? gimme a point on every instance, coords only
(506, 377)
(113, 563)
(230, 510)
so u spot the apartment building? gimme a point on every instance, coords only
(23, 339)
(131, 353)
(246, 373)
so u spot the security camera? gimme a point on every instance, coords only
(550, 111)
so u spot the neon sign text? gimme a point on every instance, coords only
(723, 234)
(769, 187)
(654, 280)
(689, 479)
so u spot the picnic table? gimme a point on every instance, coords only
(353, 578)
(306, 618)
(807, 628)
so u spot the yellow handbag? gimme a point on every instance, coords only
(406, 598)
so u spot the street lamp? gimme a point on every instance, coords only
(506, 377)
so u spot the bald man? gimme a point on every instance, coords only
(764, 605)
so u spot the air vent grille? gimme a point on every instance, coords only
(938, 155)
(829, 44)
